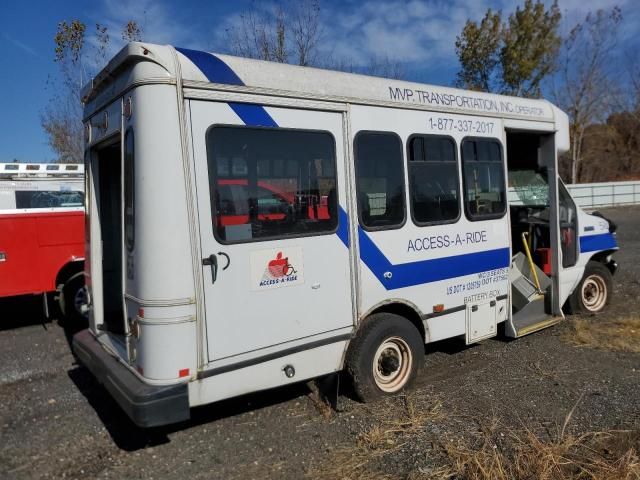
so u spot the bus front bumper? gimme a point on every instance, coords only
(146, 405)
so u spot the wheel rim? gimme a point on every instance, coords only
(392, 364)
(80, 299)
(594, 293)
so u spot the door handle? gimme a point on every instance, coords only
(212, 261)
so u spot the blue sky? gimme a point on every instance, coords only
(418, 33)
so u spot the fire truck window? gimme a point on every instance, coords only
(433, 179)
(483, 173)
(271, 183)
(379, 180)
(48, 199)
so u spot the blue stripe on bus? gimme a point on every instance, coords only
(426, 271)
(400, 276)
(253, 115)
(217, 71)
(212, 67)
(594, 243)
(343, 226)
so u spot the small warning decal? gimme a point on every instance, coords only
(276, 268)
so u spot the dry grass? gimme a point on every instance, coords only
(524, 455)
(495, 452)
(505, 454)
(618, 335)
(395, 422)
(319, 401)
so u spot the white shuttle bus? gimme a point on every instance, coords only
(253, 224)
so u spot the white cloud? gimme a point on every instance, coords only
(158, 25)
(424, 31)
(418, 33)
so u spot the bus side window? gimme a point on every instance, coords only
(483, 173)
(271, 183)
(379, 180)
(433, 180)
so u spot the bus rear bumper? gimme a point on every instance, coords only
(146, 405)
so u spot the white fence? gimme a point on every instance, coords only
(605, 194)
(586, 195)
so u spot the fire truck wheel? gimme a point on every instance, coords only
(593, 292)
(71, 299)
(384, 357)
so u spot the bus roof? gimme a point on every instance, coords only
(198, 69)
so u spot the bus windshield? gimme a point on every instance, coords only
(530, 187)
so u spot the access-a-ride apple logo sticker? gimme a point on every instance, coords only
(276, 268)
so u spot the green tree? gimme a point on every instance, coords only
(530, 47)
(511, 57)
(478, 51)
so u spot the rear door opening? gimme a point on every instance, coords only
(109, 199)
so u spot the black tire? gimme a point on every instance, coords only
(71, 316)
(594, 291)
(385, 357)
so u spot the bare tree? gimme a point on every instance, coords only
(631, 94)
(261, 34)
(132, 32)
(376, 66)
(62, 117)
(584, 86)
(62, 122)
(384, 66)
(294, 35)
(307, 31)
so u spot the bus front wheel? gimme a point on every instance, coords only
(384, 357)
(593, 292)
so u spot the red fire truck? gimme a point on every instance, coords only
(42, 233)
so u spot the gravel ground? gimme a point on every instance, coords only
(56, 422)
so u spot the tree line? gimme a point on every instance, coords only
(583, 73)
(522, 54)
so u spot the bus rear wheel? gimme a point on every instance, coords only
(385, 356)
(71, 300)
(593, 292)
